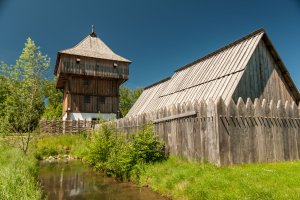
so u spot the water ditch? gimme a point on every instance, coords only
(76, 180)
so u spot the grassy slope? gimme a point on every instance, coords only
(17, 175)
(75, 145)
(181, 179)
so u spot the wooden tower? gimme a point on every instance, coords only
(90, 74)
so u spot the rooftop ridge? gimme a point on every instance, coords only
(158, 82)
(261, 30)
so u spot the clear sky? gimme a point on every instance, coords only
(158, 36)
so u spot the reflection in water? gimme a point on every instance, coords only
(74, 180)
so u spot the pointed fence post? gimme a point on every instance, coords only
(286, 134)
(269, 135)
(294, 115)
(224, 135)
(291, 131)
(251, 130)
(274, 124)
(213, 135)
(258, 113)
(197, 133)
(281, 146)
(203, 130)
(233, 128)
(244, 134)
(190, 132)
(173, 132)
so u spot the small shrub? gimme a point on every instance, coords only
(147, 147)
(121, 159)
(124, 158)
(102, 143)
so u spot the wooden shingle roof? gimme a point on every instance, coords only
(215, 75)
(93, 47)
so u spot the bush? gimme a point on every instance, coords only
(123, 158)
(100, 147)
(147, 147)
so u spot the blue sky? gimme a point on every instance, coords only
(158, 36)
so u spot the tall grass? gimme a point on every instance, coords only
(75, 145)
(181, 179)
(18, 174)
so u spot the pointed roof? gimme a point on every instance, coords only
(214, 75)
(94, 47)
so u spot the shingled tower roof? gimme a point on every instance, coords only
(92, 46)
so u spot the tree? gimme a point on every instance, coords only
(23, 105)
(53, 109)
(128, 97)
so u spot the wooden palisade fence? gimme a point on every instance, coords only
(226, 134)
(69, 126)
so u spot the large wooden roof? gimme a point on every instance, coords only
(215, 75)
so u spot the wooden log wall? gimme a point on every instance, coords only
(79, 87)
(251, 132)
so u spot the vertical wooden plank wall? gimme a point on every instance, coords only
(263, 78)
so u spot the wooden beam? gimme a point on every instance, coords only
(182, 115)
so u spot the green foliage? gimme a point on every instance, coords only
(147, 147)
(121, 159)
(4, 92)
(53, 109)
(128, 97)
(18, 174)
(22, 101)
(59, 145)
(102, 143)
(112, 153)
(182, 179)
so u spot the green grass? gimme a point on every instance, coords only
(74, 145)
(181, 179)
(18, 174)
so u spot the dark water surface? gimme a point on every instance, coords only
(75, 180)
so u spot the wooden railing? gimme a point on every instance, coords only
(94, 70)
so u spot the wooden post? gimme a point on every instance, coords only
(295, 114)
(287, 132)
(244, 134)
(280, 132)
(203, 131)
(258, 113)
(251, 131)
(224, 135)
(234, 133)
(213, 135)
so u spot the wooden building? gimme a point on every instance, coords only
(248, 67)
(90, 74)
